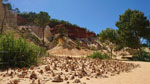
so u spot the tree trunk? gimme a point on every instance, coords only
(139, 46)
(111, 52)
(2, 24)
(140, 52)
(3, 21)
(116, 55)
(43, 37)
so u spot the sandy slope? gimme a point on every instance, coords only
(60, 51)
(137, 76)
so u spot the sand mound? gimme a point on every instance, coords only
(61, 51)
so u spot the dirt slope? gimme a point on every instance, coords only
(60, 51)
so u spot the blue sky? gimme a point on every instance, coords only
(95, 15)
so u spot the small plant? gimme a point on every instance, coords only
(55, 42)
(78, 44)
(18, 52)
(93, 48)
(23, 29)
(62, 32)
(99, 55)
(14, 27)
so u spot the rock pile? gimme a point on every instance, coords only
(64, 69)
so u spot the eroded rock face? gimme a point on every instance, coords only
(10, 16)
(48, 33)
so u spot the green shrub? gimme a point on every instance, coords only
(99, 55)
(93, 48)
(145, 57)
(18, 52)
(78, 44)
(55, 42)
(33, 38)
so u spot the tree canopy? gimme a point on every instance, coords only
(42, 19)
(54, 22)
(132, 27)
(110, 37)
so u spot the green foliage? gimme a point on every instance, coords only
(93, 48)
(29, 16)
(109, 35)
(62, 32)
(54, 42)
(18, 52)
(15, 27)
(111, 38)
(132, 28)
(33, 38)
(78, 44)
(17, 10)
(32, 16)
(54, 22)
(8, 5)
(99, 55)
(145, 57)
(25, 16)
(42, 19)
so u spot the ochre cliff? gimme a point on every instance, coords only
(73, 32)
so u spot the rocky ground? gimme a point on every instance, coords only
(139, 75)
(66, 70)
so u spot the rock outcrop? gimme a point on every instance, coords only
(9, 16)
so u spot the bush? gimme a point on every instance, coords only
(99, 55)
(93, 48)
(33, 38)
(145, 57)
(18, 52)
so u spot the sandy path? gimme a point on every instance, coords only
(137, 76)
